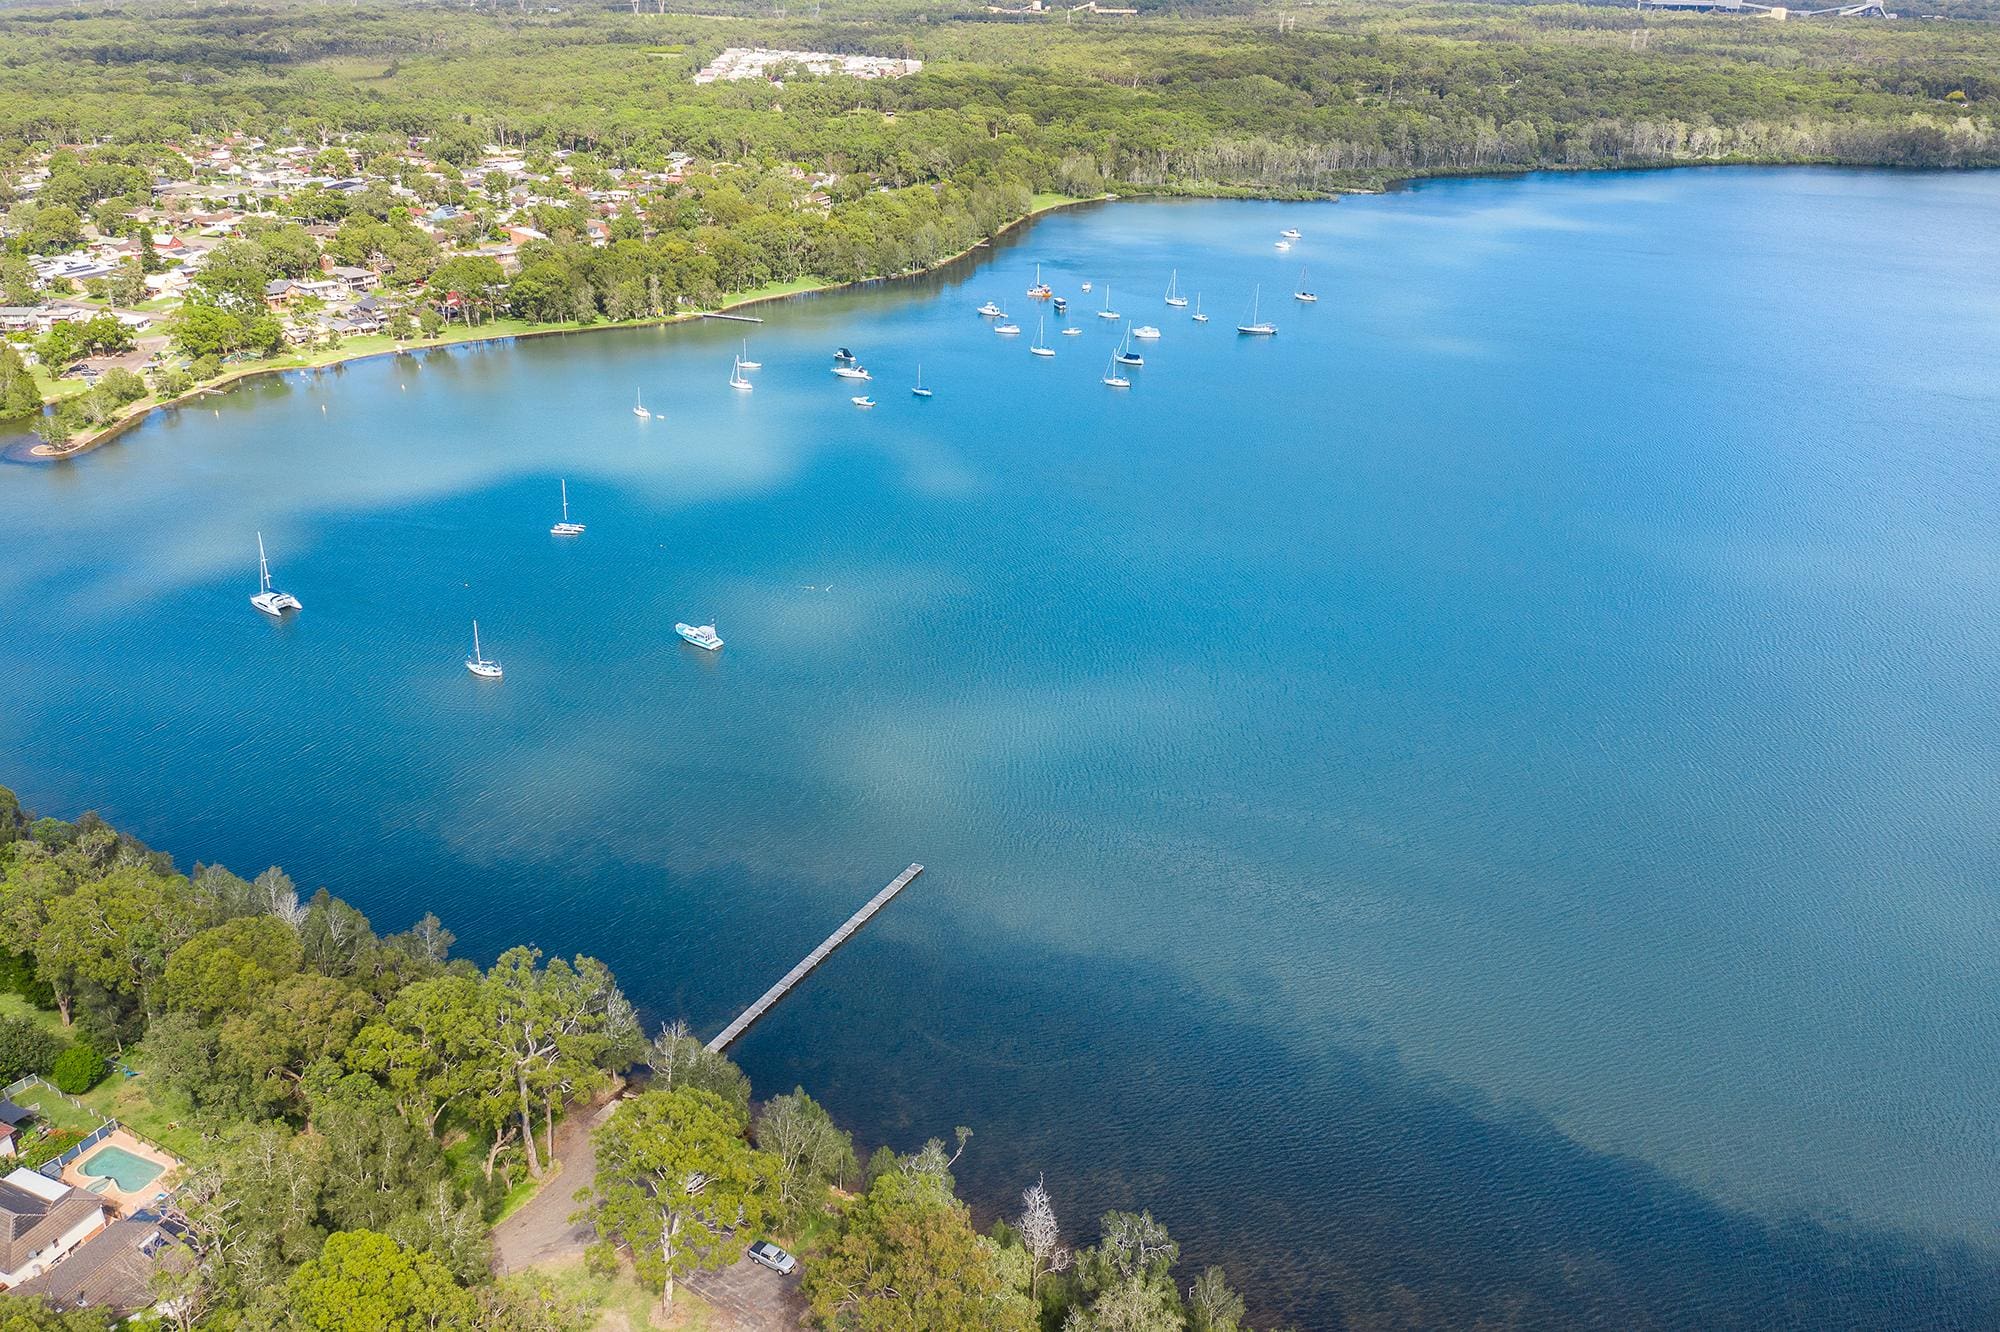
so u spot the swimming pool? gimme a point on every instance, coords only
(129, 1172)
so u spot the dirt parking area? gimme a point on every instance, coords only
(748, 1297)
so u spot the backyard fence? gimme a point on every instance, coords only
(53, 1169)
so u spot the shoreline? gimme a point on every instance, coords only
(48, 453)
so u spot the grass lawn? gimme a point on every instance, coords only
(774, 289)
(55, 1111)
(127, 1100)
(1041, 201)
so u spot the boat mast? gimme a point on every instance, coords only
(263, 566)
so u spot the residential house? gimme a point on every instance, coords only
(42, 1221)
(114, 1272)
(12, 1117)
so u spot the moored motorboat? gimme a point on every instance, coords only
(852, 372)
(701, 635)
(862, 400)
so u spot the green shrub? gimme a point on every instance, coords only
(27, 1047)
(77, 1069)
(49, 1146)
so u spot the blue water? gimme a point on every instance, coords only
(1481, 806)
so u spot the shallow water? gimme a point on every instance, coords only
(1483, 805)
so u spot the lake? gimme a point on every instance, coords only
(1483, 805)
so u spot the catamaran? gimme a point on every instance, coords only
(920, 391)
(1304, 293)
(1113, 378)
(737, 379)
(1041, 347)
(477, 662)
(701, 635)
(1199, 317)
(1174, 297)
(639, 407)
(271, 603)
(566, 527)
(1107, 312)
(1040, 291)
(744, 362)
(1255, 326)
(851, 372)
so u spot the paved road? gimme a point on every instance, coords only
(750, 1298)
(542, 1230)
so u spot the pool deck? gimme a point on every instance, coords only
(126, 1203)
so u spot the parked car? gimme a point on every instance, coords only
(773, 1257)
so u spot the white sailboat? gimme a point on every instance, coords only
(1255, 326)
(1107, 312)
(1125, 355)
(1040, 291)
(1113, 378)
(1304, 293)
(566, 527)
(1199, 317)
(1041, 347)
(477, 662)
(266, 600)
(639, 406)
(1174, 297)
(737, 380)
(744, 362)
(920, 391)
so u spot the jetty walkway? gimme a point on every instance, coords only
(813, 959)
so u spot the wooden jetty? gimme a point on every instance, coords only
(813, 959)
(736, 319)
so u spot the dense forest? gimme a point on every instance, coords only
(1328, 99)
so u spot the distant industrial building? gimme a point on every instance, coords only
(1870, 9)
(741, 62)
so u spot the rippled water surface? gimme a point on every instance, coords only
(1481, 806)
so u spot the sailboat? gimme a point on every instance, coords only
(1255, 326)
(477, 663)
(639, 407)
(1199, 317)
(1113, 378)
(920, 391)
(1125, 355)
(1040, 291)
(737, 380)
(1041, 347)
(744, 362)
(1174, 298)
(1107, 312)
(1304, 293)
(271, 603)
(566, 527)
